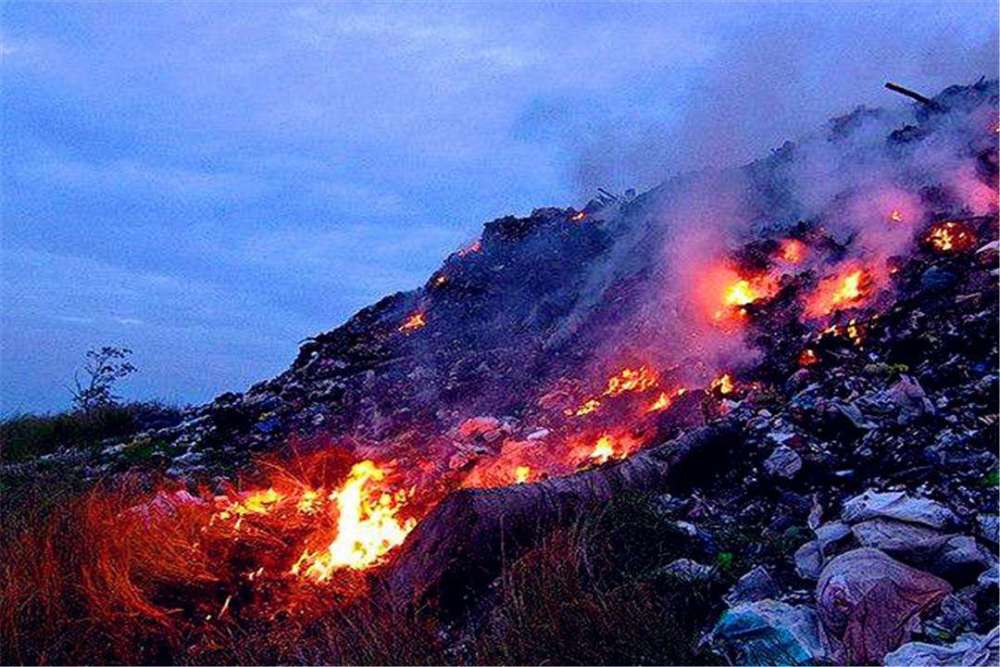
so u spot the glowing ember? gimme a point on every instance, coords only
(723, 385)
(808, 358)
(665, 400)
(896, 215)
(470, 249)
(792, 251)
(367, 525)
(440, 281)
(577, 217)
(603, 450)
(257, 502)
(638, 379)
(951, 236)
(587, 407)
(521, 474)
(413, 322)
(847, 289)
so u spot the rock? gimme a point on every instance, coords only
(768, 633)
(937, 279)
(753, 586)
(957, 615)
(969, 649)
(898, 505)
(686, 569)
(783, 462)
(811, 556)
(869, 603)
(477, 426)
(989, 527)
(540, 434)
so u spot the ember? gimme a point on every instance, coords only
(792, 251)
(951, 236)
(723, 385)
(665, 400)
(896, 215)
(413, 322)
(808, 358)
(639, 379)
(521, 474)
(728, 294)
(847, 289)
(471, 249)
(578, 217)
(604, 449)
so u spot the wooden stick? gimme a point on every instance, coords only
(896, 88)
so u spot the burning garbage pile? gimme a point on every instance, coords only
(798, 392)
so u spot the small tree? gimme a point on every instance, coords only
(103, 369)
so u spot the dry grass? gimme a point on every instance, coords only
(88, 578)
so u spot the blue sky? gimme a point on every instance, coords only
(208, 183)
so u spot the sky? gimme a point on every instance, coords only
(209, 183)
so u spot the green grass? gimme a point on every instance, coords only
(24, 437)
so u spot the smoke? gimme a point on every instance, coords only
(776, 73)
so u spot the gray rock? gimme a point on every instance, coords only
(969, 649)
(989, 527)
(768, 633)
(753, 586)
(783, 462)
(898, 505)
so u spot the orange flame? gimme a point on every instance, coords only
(638, 379)
(792, 251)
(367, 526)
(847, 289)
(808, 358)
(665, 400)
(722, 384)
(727, 293)
(951, 236)
(895, 215)
(521, 474)
(604, 449)
(413, 322)
(577, 217)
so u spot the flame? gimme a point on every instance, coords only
(586, 407)
(722, 384)
(521, 474)
(792, 251)
(441, 280)
(367, 525)
(727, 293)
(413, 322)
(808, 357)
(951, 236)
(629, 379)
(895, 215)
(847, 289)
(604, 449)
(578, 217)
(665, 400)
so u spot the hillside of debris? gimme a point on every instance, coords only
(749, 416)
